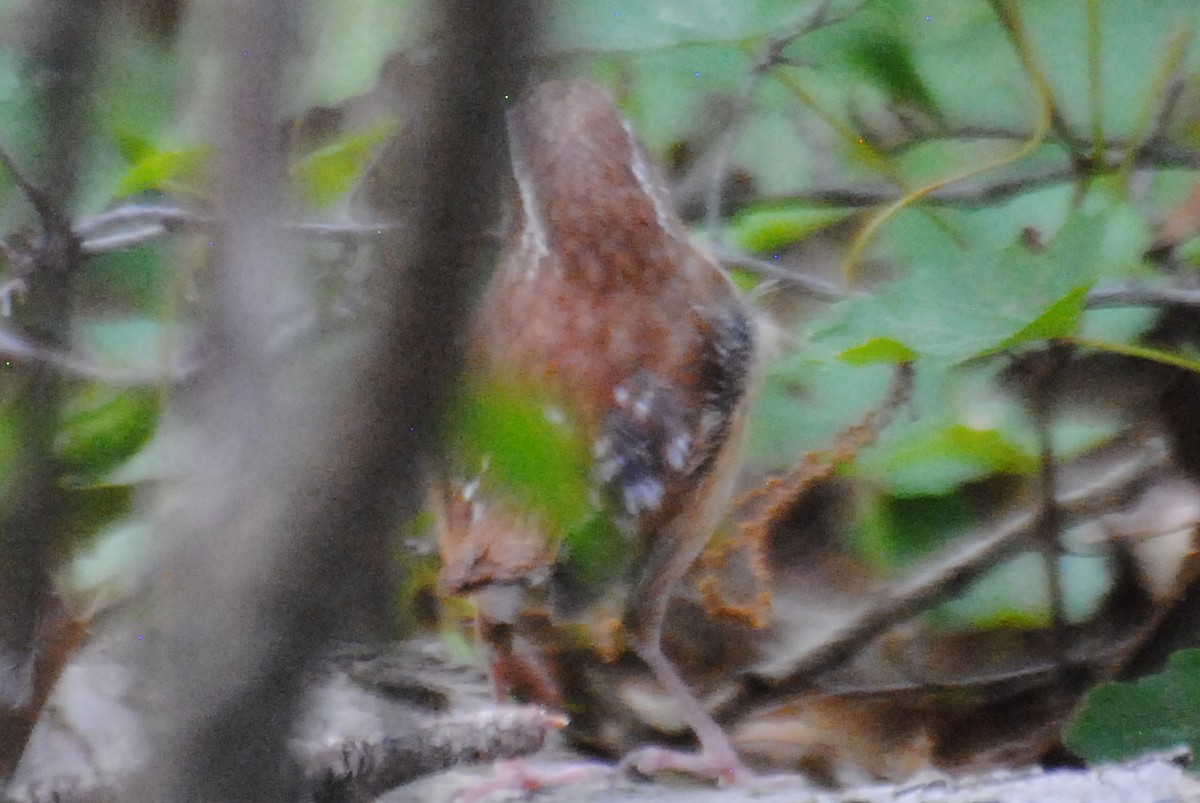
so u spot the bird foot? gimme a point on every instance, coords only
(721, 766)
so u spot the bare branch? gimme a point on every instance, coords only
(133, 238)
(139, 224)
(821, 16)
(983, 194)
(1137, 295)
(14, 347)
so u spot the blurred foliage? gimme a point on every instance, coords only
(103, 427)
(899, 95)
(327, 173)
(516, 439)
(529, 446)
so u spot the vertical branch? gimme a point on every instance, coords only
(221, 657)
(61, 38)
(299, 464)
(1043, 395)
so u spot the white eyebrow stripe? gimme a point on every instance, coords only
(533, 234)
(641, 171)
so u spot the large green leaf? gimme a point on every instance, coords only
(1121, 720)
(804, 403)
(960, 303)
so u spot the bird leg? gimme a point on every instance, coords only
(716, 760)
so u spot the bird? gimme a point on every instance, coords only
(638, 347)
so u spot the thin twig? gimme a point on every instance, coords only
(124, 241)
(143, 224)
(809, 285)
(770, 56)
(37, 199)
(1137, 295)
(14, 347)
(983, 194)
(136, 214)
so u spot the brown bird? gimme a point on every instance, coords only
(633, 339)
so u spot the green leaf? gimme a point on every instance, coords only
(1016, 594)
(767, 228)
(959, 304)
(934, 463)
(525, 445)
(888, 63)
(893, 531)
(595, 551)
(133, 146)
(132, 279)
(93, 506)
(164, 169)
(10, 445)
(328, 172)
(805, 403)
(1122, 720)
(1060, 319)
(102, 427)
(878, 350)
